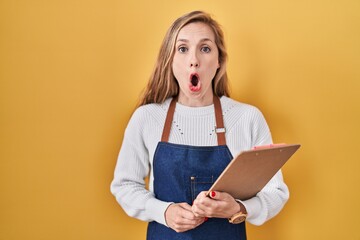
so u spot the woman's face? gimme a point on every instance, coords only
(195, 62)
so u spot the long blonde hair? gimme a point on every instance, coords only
(162, 83)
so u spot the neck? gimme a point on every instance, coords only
(202, 101)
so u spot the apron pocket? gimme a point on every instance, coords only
(199, 184)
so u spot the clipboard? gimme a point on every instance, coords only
(251, 170)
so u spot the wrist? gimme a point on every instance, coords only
(235, 209)
(242, 207)
(239, 216)
(166, 214)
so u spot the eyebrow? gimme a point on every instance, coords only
(186, 40)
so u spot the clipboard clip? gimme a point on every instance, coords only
(269, 146)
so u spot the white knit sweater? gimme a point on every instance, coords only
(245, 128)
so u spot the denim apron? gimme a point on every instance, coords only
(181, 172)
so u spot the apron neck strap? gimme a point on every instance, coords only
(219, 129)
(168, 120)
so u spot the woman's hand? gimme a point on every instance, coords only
(218, 204)
(180, 217)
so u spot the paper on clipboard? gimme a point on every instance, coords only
(251, 170)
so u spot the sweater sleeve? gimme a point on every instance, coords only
(128, 185)
(272, 198)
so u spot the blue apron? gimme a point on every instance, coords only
(181, 172)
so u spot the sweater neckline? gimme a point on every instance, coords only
(195, 111)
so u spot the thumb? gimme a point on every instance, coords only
(214, 194)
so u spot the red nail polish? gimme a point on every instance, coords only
(205, 219)
(213, 194)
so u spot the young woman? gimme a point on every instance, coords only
(183, 134)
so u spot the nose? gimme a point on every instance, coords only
(194, 65)
(194, 61)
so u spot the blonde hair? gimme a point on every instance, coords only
(162, 83)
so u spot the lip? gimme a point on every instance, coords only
(192, 87)
(194, 74)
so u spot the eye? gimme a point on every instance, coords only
(205, 49)
(182, 49)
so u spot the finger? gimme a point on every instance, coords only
(189, 216)
(182, 228)
(180, 218)
(187, 213)
(220, 196)
(214, 195)
(185, 206)
(210, 206)
(198, 210)
(194, 224)
(178, 222)
(185, 227)
(201, 195)
(184, 224)
(203, 199)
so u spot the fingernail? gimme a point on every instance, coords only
(205, 219)
(213, 194)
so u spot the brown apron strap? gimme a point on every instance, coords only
(168, 121)
(220, 129)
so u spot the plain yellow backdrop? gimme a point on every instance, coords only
(71, 72)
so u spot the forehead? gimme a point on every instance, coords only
(196, 31)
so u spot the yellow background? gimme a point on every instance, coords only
(71, 72)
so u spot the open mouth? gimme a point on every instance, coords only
(194, 80)
(195, 84)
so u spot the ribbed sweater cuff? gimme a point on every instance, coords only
(156, 210)
(252, 205)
